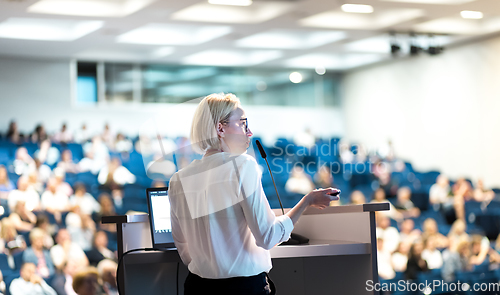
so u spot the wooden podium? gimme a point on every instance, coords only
(339, 259)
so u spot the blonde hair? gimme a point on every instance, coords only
(79, 277)
(36, 233)
(212, 110)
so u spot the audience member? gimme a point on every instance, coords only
(455, 260)
(13, 134)
(100, 249)
(108, 136)
(23, 163)
(107, 273)
(62, 185)
(48, 154)
(6, 184)
(457, 234)
(11, 241)
(39, 134)
(43, 223)
(43, 171)
(299, 182)
(67, 164)
(430, 228)
(55, 201)
(114, 175)
(85, 282)
(379, 197)
(86, 203)
(24, 193)
(3, 286)
(416, 263)
(408, 233)
(431, 254)
(82, 135)
(399, 259)
(23, 219)
(323, 178)
(480, 247)
(30, 283)
(389, 234)
(305, 138)
(122, 144)
(81, 228)
(63, 136)
(38, 255)
(107, 209)
(385, 270)
(66, 251)
(357, 198)
(62, 281)
(481, 194)
(89, 164)
(440, 193)
(404, 204)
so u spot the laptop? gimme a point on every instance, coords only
(159, 218)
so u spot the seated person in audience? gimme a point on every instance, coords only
(66, 251)
(67, 163)
(457, 233)
(62, 281)
(62, 186)
(107, 273)
(85, 201)
(462, 192)
(107, 136)
(408, 233)
(385, 270)
(43, 223)
(430, 228)
(399, 259)
(299, 182)
(30, 283)
(90, 164)
(481, 194)
(122, 144)
(440, 193)
(63, 136)
(323, 178)
(48, 154)
(24, 193)
(107, 209)
(22, 219)
(416, 263)
(34, 183)
(43, 171)
(389, 234)
(114, 175)
(11, 242)
(39, 134)
(480, 248)
(38, 255)
(54, 201)
(346, 155)
(86, 281)
(13, 134)
(379, 197)
(431, 254)
(455, 260)
(82, 135)
(23, 162)
(100, 249)
(494, 254)
(404, 204)
(81, 229)
(357, 198)
(5, 184)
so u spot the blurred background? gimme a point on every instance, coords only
(388, 100)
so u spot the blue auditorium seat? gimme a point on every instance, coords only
(76, 150)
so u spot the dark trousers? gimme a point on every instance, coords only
(255, 285)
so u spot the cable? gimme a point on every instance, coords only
(136, 250)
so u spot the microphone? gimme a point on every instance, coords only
(295, 239)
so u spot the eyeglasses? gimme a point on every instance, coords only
(244, 124)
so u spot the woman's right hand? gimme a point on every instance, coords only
(321, 198)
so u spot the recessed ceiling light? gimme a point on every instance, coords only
(320, 70)
(295, 77)
(357, 8)
(231, 2)
(47, 29)
(104, 8)
(471, 14)
(290, 39)
(232, 57)
(170, 34)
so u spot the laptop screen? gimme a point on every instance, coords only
(159, 217)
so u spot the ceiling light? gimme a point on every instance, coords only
(173, 34)
(290, 39)
(105, 8)
(357, 8)
(295, 77)
(320, 70)
(232, 57)
(162, 51)
(333, 61)
(471, 14)
(231, 2)
(47, 29)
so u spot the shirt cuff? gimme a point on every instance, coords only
(287, 225)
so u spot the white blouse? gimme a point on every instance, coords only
(222, 223)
